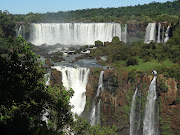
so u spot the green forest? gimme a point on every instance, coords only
(154, 11)
(24, 97)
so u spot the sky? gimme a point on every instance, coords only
(43, 6)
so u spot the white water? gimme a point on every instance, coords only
(163, 34)
(149, 123)
(77, 79)
(21, 31)
(150, 33)
(132, 114)
(46, 113)
(100, 84)
(98, 112)
(47, 79)
(95, 114)
(124, 33)
(167, 35)
(159, 33)
(74, 33)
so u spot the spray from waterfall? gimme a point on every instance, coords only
(150, 121)
(77, 79)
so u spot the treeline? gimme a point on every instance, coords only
(154, 11)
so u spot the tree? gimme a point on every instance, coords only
(24, 96)
(131, 61)
(116, 40)
(83, 127)
(98, 43)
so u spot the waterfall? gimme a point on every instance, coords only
(95, 114)
(100, 84)
(124, 32)
(74, 33)
(77, 79)
(149, 123)
(159, 32)
(132, 114)
(150, 33)
(98, 111)
(46, 112)
(163, 34)
(21, 31)
(47, 78)
(167, 35)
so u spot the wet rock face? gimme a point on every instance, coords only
(114, 99)
(170, 106)
(132, 27)
(110, 81)
(56, 77)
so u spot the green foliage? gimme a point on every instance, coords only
(60, 114)
(131, 61)
(71, 48)
(83, 127)
(98, 43)
(163, 86)
(24, 96)
(173, 72)
(132, 75)
(146, 58)
(154, 11)
(116, 40)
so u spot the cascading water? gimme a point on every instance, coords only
(100, 84)
(47, 78)
(132, 114)
(21, 31)
(163, 34)
(150, 122)
(95, 114)
(159, 33)
(74, 33)
(46, 112)
(123, 32)
(167, 35)
(98, 111)
(150, 33)
(75, 78)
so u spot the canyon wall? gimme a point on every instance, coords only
(116, 98)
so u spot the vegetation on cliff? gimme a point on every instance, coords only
(164, 58)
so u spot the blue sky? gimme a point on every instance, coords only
(43, 6)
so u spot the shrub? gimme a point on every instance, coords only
(98, 43)
(131, 61)
(146, 58)
(162, 86)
